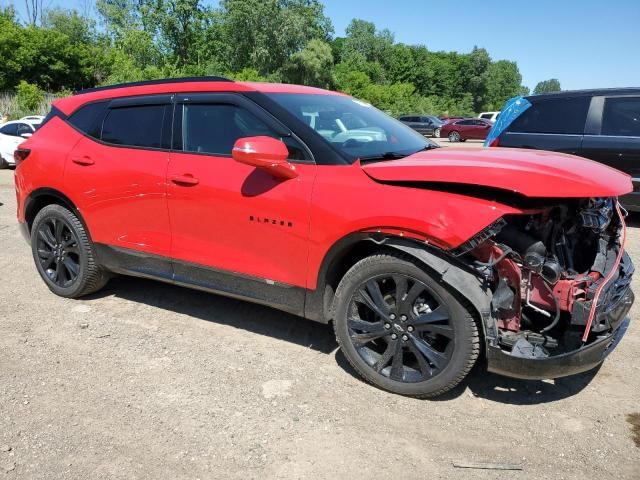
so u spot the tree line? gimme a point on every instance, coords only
(292, 41)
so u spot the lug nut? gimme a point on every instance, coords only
(387, 326)
(410, 328)
(392, 316)
(405, 338)
(394, 336)
(403, 318)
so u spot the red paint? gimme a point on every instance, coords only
(216, 211)
(478, 131)
(533, 173)
(266, 153)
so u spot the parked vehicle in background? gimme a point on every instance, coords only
(466, 129)
(450, 119)
(33, 118)
(491, 116)
(13, 134)
(427, 125)
(602, 125)
(422, 258)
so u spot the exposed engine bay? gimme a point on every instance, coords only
(556, 273)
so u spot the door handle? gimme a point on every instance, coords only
(186, 179)
(84, 160)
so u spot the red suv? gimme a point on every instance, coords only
(318, 204)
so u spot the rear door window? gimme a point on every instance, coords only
(135, 126)
(558, 115)
(621, 117)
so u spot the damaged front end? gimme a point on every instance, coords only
(560, 283)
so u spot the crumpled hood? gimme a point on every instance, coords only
(533, 173)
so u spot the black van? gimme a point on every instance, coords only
(603, 125)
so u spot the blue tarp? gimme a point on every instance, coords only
(511, 110)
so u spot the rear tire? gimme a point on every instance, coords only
(3, 163)
(64, 255)
(401, 329)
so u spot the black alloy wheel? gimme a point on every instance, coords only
(403, 330)
(64, 254)
(58, 251)
(400, 328)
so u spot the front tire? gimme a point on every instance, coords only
(63, 253)
(436, 133)
(3, 163)
(401, 330)
(454, 137)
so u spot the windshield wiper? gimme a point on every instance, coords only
(394, 155)
(383, 156)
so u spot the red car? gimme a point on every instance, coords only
(465, 129)
(318, 204)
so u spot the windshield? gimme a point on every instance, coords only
(355, 128)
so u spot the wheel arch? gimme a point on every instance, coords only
(41, 197)
(345, 253)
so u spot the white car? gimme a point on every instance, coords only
(491, 116)
(13, 134)
(33, 118)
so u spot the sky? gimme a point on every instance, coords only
(583, 43)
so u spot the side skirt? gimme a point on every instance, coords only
(277, 295)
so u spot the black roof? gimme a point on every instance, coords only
(586, 93)
(156, 82)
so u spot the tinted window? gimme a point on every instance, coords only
(136, 126)
(215, 128)
(23, 128)
(558, 115)
(465, 122)
(10, 129)
(89, 117)
(486, 115)
(621, 116)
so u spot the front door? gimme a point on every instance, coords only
(236, 228)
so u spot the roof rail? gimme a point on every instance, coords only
(155, 82)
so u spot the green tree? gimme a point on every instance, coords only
(312, 65)
(263, 34)
(28, 97)
(547, 86)
(503, 82)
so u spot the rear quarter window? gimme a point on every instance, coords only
(621, 117)
(88, 118)
(558, 115)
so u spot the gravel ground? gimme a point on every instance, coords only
(149, 381)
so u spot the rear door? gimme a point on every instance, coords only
(117, 173)
(613, 137)
(555, 124)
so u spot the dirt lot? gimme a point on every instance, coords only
(150, 381)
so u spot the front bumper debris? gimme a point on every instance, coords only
(580, 360)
